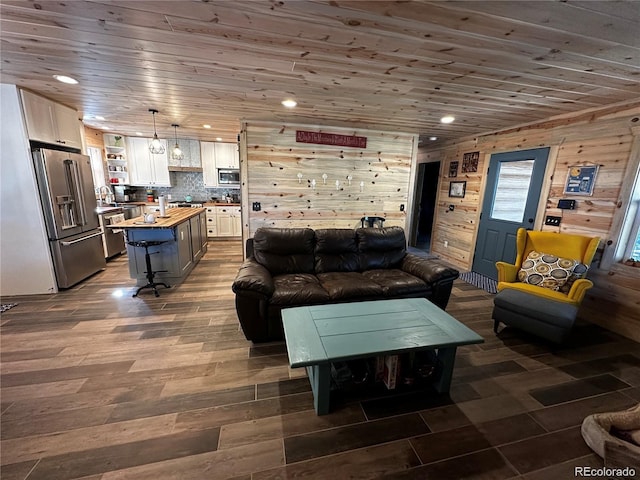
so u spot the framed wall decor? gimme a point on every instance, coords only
(470, 162)
(457, 189)
(453, 169)
(581, 179)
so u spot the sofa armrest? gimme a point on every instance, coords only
(507, 272)
(253, 280)
(434, 273)
(579, 289)
(430, 270)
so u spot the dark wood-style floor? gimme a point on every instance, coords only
(99, 385)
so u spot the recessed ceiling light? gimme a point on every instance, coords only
(289, 103)
(206, 126)
(433, 139)
(106, 128)
(66, 79)
(218, 139)
(447, 119)
(139, 134)
(99, 117)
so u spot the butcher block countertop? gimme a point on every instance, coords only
(173, 217)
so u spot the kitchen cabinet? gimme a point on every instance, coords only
(183, 247)
(208, 159)
(228, 221)
(196, 238)
(146, 168)
(51, 122)
(183, 239)
(116, 152)
(215, 155)
(210, 221)
(203, 232)
(227, 155)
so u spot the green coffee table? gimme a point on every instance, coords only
(319, 335)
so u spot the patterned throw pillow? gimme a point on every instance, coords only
(579, 271)
(550, 271)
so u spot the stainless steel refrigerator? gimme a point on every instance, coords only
(68, 202)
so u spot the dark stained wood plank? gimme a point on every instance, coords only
(450, 443)
(573, 413)
(510, 429)
(55, 422)
(585, 387)
(327, 442)
(549, 449)
(201, 387)
(60, 374)
(117, 457)
(181, 403)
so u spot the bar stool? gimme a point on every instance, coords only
(147, 258)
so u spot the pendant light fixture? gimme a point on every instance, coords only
(156, 145)
(176, 153)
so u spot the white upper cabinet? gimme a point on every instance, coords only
(208, 158)
(216, 155)
(227, 155)
(146, 168)
(51, 122)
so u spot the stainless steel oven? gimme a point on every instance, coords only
(228, 176)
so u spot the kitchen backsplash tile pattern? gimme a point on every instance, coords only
(186, 183)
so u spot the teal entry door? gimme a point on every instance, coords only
(511, 200)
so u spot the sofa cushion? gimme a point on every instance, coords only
(298, 289)
(336, 251)
(396, 282)
(381, 247)
(285, 250)
(348, 285)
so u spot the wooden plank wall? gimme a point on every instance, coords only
(601, 138)
(274, 158)
(94, 138)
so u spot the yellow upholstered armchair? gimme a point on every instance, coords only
(565, 246)
(542, 290)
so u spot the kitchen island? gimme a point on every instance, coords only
(184, 233)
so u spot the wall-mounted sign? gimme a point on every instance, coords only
(331, 139)
(470, 162)
(581, 180)
(453, 169)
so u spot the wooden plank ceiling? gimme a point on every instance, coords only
(385, 65)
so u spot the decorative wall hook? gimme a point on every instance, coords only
(337, 184)
(362, 186)
(299, 177)
(349, 178)
(324, 178)
(313, 184)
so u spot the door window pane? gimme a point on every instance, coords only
(512, 190)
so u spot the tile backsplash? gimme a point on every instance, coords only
(186, 183)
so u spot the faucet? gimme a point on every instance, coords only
(108, 198)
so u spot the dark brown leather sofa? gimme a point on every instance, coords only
(287, 267)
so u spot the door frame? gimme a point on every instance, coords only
(545, 189)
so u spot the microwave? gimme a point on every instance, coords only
(228, 177)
